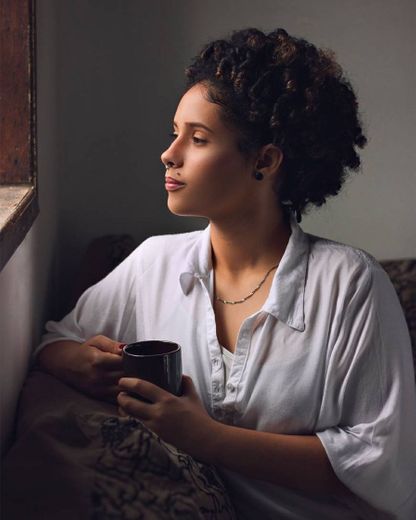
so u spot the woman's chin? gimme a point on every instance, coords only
(183, 211)
(176, 207)
(177, 210)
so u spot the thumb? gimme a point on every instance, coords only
(188, 387)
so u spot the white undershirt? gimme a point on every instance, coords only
(227, 358)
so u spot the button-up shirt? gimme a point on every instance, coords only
(327, 354)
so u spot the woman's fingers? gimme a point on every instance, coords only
(106, 344)
(134, 407)
(122, 412)
(109, 361)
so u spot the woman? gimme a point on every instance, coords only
(299, 384)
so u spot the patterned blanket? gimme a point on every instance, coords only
(75, 458)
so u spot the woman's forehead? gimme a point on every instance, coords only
(193, 107)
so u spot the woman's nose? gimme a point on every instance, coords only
(167, 157)
(164, 158)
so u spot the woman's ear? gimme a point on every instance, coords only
(269, 160)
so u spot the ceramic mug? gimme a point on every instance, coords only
(157, 361)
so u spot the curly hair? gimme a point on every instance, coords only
(275, 88)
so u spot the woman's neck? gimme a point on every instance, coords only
(248, 245)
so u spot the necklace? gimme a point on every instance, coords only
(252, 292)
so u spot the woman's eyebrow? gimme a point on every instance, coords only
(195, 124)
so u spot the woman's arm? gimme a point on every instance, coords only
(296, 461)
(93, 367)
(56, 357)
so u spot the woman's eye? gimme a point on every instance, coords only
(196, 139)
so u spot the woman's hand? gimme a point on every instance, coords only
(180, 421)
(100, 368)
(93, 367)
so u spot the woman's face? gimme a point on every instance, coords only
(218, 179)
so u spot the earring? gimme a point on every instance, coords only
(258, 176)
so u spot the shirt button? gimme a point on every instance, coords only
(216, 361)
(230, 387)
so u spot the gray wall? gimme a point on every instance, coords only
(120, 70)
(109, 76)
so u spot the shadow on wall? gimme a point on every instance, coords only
(102, 255)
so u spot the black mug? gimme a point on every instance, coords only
(157, 361)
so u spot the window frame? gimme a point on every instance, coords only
(19, 204)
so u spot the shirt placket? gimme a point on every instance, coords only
(224, 396)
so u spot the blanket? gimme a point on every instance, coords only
(74, 457)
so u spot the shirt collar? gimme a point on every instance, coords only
(286, 298)
(198, 263)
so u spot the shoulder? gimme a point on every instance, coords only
(343, 264)
(350, 283)
(158, 248)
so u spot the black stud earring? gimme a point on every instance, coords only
(259, 176)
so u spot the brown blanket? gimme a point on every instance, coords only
(75, 458)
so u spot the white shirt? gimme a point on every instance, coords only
(328, 353)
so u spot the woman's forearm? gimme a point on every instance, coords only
(295, 461)
(54, 357)
(93, 367)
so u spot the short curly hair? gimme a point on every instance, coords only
(275, 88)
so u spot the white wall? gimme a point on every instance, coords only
(26, 282)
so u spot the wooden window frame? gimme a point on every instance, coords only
(19, 205)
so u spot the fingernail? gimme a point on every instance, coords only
(122, 345)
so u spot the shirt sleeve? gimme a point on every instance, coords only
(106, 308)
(368, 413)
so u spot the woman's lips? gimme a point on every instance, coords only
(172, 184)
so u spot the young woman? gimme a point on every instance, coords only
(299, 384)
